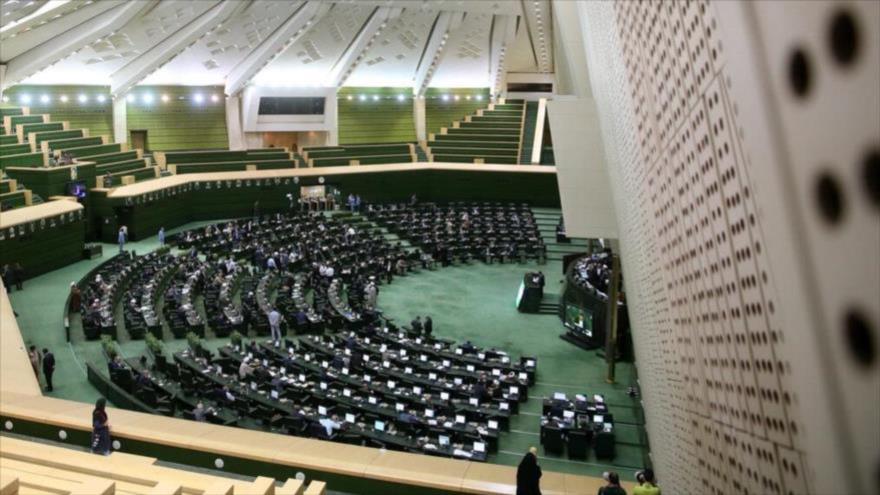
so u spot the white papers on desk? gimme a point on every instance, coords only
(461, 453)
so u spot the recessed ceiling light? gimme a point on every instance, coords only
(82, 98)
(147, 98)
(44, 99)
(63, 98)
(215, 98)
(198, 98)
(165, 98)
(101, 98)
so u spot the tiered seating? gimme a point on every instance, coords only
(189, 162)
(15, 151)
(38, 468)
(462, 231)
(491, 136)
(358, 154)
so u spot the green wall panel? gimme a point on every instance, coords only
(43, 249)
(440, 112)
(364, 119)
(181, 122)
(92, 114)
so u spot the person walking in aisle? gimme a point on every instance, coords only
(48, 368)
(528, 474)
(100, 428)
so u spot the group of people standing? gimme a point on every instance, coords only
(44, 362)
(13, 276)
(528, 479)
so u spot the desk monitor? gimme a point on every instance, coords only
(307, 357)
(323, 386)
(457, 381)
(407, 370)
(366, 358)
(443, 440)
(290, 350)
(324, 364)
(459, 418)
(379, 425)
(302, 377)
(350, 418)
(322, 410)
(403, 352)
(479, 447)
(383, 348)
(344, 371)
(598, 419)
(444, 395)
(367, 340)
(523, 375)
(423, 357)
(471, 368)
(513, 390)
(432, 376)
(266, 363)
(598, 398)
(372, 400)
(219, 370)
(274, 394)
(253, 385)
(386, 364)
(568, 414)
(398, 407)
(283, 370)
(419, 340)
(530, 362)
(438, 346)
(559, 396)
(481, 355)
(429, 413)
(391, 384)
(504, 406)
(474, 401)
(493, 424)
(496, 372)
(458, 351)
(446, 363)
(417, 390)
(346, 392)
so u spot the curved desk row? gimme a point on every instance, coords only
(344, 467)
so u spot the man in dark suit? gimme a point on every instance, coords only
(48, 367)
(429, 326)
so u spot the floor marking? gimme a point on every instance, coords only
(530, 414)
(75, 358)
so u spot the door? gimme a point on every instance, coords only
(138, 140)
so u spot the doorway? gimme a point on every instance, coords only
(138, 140)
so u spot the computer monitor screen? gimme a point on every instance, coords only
(459, 418)
(379, 425)
(493, 425)
(443, 440)
(568, 414)
(349, 418)
(457, 381)
(302, 377)
(504, 406)
(274, 394)
(391, 384)
(479, 447)
(558, 396)
(444, 395)
(372, 400)
(598, 419)
(407, 370)
(346, 392)
(417, 390)
(474, 401)
(322, 410)
(470, 367)
(323, 386)
(514, 390)
(398, 407)
(429, 413)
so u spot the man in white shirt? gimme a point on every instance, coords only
(275, 325)
(330, 424)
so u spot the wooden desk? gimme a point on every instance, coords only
(36, 212)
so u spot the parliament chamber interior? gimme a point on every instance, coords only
(357, 247)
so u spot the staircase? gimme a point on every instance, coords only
(421, 156)
(492, 135)
(547, 220)
(528, 137)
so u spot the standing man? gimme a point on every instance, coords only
(120, 238)
(429, 326)
(275, 325)
(36, 360)
(18, 276)
(161, 236)
(48, 368)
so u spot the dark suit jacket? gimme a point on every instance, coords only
(48, 362)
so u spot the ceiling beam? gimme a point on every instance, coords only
(503, 34)
(72, 40)
(41, 28)
(8, 16)
(445, 23)
(285, 35)
(353, 55)
(170, 47)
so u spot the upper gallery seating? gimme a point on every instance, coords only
(465, 230)
(38, 468)
(358, 154)
(189, 162)
(493, 135)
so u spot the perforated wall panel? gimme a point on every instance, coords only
(749, 233)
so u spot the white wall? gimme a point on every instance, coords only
(584, 189)
(252, 122)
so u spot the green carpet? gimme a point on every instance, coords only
(473, 302)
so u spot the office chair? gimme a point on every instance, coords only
(554, 442)
(603, 446)
(578, 443)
